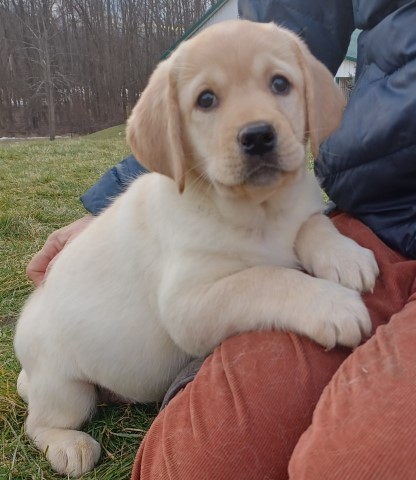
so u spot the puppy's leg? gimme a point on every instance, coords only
(57, 409)
(263, 297)
(325, 253)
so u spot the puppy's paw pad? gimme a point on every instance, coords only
(74, 455)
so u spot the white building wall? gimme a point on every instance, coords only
(346, 69)
(228, 11)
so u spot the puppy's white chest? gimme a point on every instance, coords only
(272, 245)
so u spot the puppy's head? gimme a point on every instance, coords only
(235, 105)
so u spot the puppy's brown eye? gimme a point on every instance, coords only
(280, 85)
(207, 100)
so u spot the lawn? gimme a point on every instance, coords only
(41, 182)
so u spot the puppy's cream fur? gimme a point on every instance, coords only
(199, 250)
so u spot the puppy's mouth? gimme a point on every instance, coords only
(260, 171)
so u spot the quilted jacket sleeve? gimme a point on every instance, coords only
(368, 166)
(111, 184)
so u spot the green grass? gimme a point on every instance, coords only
(41, 182)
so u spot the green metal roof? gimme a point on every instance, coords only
(195, 27)
(352, 48)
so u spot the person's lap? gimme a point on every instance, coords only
(243, 413)
(254, 397)
(364, 424)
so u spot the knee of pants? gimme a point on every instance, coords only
(364, 421)
(243, 413)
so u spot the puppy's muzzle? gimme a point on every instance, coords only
(258, 142)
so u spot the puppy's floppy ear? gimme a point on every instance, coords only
(324, 100)
(154, 130)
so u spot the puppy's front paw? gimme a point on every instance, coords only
(339, 318)
(71, 452)
(347, 263)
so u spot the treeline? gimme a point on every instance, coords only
(75, 66)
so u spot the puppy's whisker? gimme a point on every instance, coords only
(198, 182)
(191, 169)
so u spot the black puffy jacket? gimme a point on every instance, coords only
(368, 166)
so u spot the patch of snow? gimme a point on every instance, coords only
(30, 138)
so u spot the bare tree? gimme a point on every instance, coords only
(41, 43)
(80, 65)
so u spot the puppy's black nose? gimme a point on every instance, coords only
(257, 138)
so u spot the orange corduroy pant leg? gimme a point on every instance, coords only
(268, 404)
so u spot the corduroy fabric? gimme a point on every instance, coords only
(364, 424)
(254, 397)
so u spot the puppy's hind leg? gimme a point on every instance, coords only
(57, 409)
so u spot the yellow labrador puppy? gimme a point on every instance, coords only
(215, 242)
